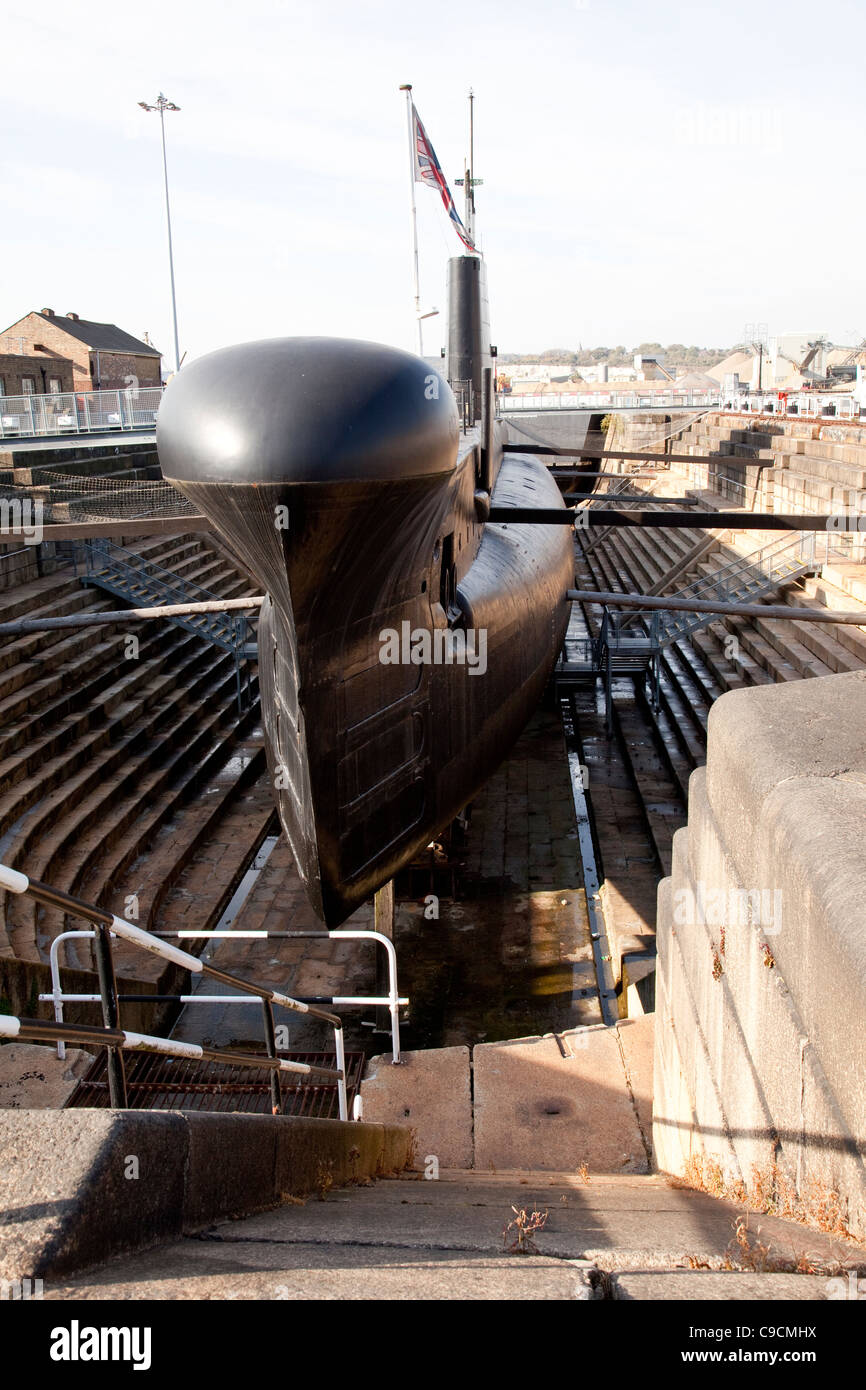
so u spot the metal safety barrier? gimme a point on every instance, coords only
(393, 1001)
(115, 1039)
(664, 399)
(79, 412)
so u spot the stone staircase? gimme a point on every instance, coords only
(530, 1181)
(119, 761)
(729, 653)
(783, 466)
(611, 1238)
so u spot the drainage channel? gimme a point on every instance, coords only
(591, 879)
(232, 910)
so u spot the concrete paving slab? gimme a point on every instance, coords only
(556, 1102)
(34, 1078)
(196, 1270)
(429, 1091)
(629, 1223)
(688, 1284)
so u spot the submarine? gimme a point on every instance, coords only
(404, 640)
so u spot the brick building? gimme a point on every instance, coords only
(21, 375)
(103, 357)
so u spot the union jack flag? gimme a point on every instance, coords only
(428, 170)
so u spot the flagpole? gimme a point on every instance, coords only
(407, 88)
(471, 189)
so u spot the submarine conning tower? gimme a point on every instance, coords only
(468, 349)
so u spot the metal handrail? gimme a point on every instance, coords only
(393, 1001)
(115, 1039)
(13, 1026)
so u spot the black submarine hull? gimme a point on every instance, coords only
(404, 641)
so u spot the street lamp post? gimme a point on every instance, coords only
(162, 104)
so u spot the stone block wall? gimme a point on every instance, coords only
(761, 991)
(39, 370)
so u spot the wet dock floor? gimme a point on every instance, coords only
(509, 954)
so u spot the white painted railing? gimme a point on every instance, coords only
(393, 1001)
(116, 1039)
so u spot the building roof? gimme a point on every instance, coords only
(696, 381)
(102, 337)
(734, 362)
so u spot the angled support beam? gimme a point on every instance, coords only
(700, 605)
(715, 521)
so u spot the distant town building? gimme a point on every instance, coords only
(538, 371)
(102, 356)
(651, 368)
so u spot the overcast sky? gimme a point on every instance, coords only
(650, 171)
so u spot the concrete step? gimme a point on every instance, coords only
(23, 599)
(89, 687)
(74, 736)
(656, 779)
(102, 774)
(850, 578)
(817, 592)
(784, 641)
(752, 644)
(453, 1237)
(804, 492)
(153, 773)
(824, 641)
(195, 859)
(834, 470)
(710, 644)
(582, 1097)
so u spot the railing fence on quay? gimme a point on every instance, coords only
(116, 1039)
(393, 1001)
(79, 412)
(135, 408)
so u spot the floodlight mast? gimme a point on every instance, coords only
(162, 104)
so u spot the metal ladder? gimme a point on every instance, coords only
(619, 649)
(741, 581)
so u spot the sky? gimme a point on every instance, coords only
(651, 173)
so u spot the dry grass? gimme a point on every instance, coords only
(526, 1224)
(773, 1192)
(324, 1177)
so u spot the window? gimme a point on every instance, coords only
(55, 385)
(2, 387)
(28, 386)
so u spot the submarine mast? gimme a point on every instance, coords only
(468, 350)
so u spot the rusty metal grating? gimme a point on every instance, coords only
(156, 1082)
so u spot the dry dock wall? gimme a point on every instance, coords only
(760, 1040)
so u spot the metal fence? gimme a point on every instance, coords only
(90, 412)
(116, 1039)
(811, 405)
(79, 412)
(609, 400)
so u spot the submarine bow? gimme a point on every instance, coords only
(403, 642)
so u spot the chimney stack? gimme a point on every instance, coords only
(70, 315)
(49, 313)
